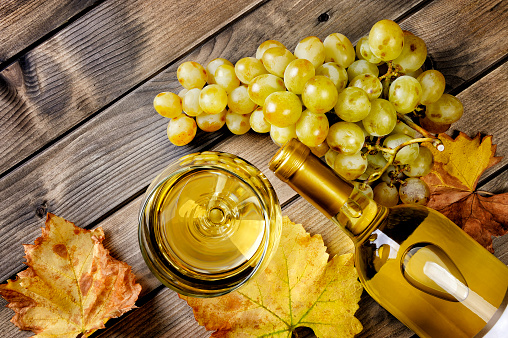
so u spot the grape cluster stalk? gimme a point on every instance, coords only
(379, 97)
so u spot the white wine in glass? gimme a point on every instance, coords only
(208, 223)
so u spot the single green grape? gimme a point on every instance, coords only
(414, 191)
(363, 51)
(213, 99)
(433, 86)
(422, 165)
(376, 160)
(350, 167)
(190, 102)
(248, 68)
(405, 93)
(312, 129)
(263, 85)
(225, 76)
(353, 104)
(406, 154)
(276, 59)
(369, 83)
(319, 94)
(297, 73)
(257, 121)
(448, 109)
(282, 135)
(361, 67)
(382, 118)
(238, 124)
(267, 45)
(282, 109)
(311, 48)
(334, 72)
(386, 40)
(191, 75)
(211, 122)
(386, 194)
(181, 130)
(212, 67)
(239, 101)
(168, 104)
(345, 137)
(413, 53)
(339, 49)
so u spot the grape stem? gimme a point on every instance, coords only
(393, 152)
(437, 143)
(391, 72)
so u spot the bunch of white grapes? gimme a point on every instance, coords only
(365, 90)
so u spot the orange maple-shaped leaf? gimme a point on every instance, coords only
(72, 285)
(453, 181)
(299, 288)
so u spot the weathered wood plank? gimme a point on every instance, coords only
(501, 248)
(126, 144)
(24, 22)
(102, 55)
(498, 184)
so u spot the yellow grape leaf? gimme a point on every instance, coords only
(464, 160)
(72, 285)
(452, 182)
(299, 288)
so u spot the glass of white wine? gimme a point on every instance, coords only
(208, 223)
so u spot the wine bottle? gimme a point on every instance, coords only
(412, 260)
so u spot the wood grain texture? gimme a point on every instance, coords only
(24, 22)
(126, 145)
(501, 248)
(498, 184)
(89, 64)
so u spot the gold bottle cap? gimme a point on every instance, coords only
(310, 177)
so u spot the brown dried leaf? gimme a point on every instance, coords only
(299, 288)
(72, 285)
(453, 181)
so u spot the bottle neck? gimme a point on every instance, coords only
(324, 189)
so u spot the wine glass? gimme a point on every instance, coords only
(208, 223)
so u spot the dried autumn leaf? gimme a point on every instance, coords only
(72, 285)
(453, 181)
(299, 288)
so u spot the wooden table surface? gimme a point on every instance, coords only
(80, 137)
